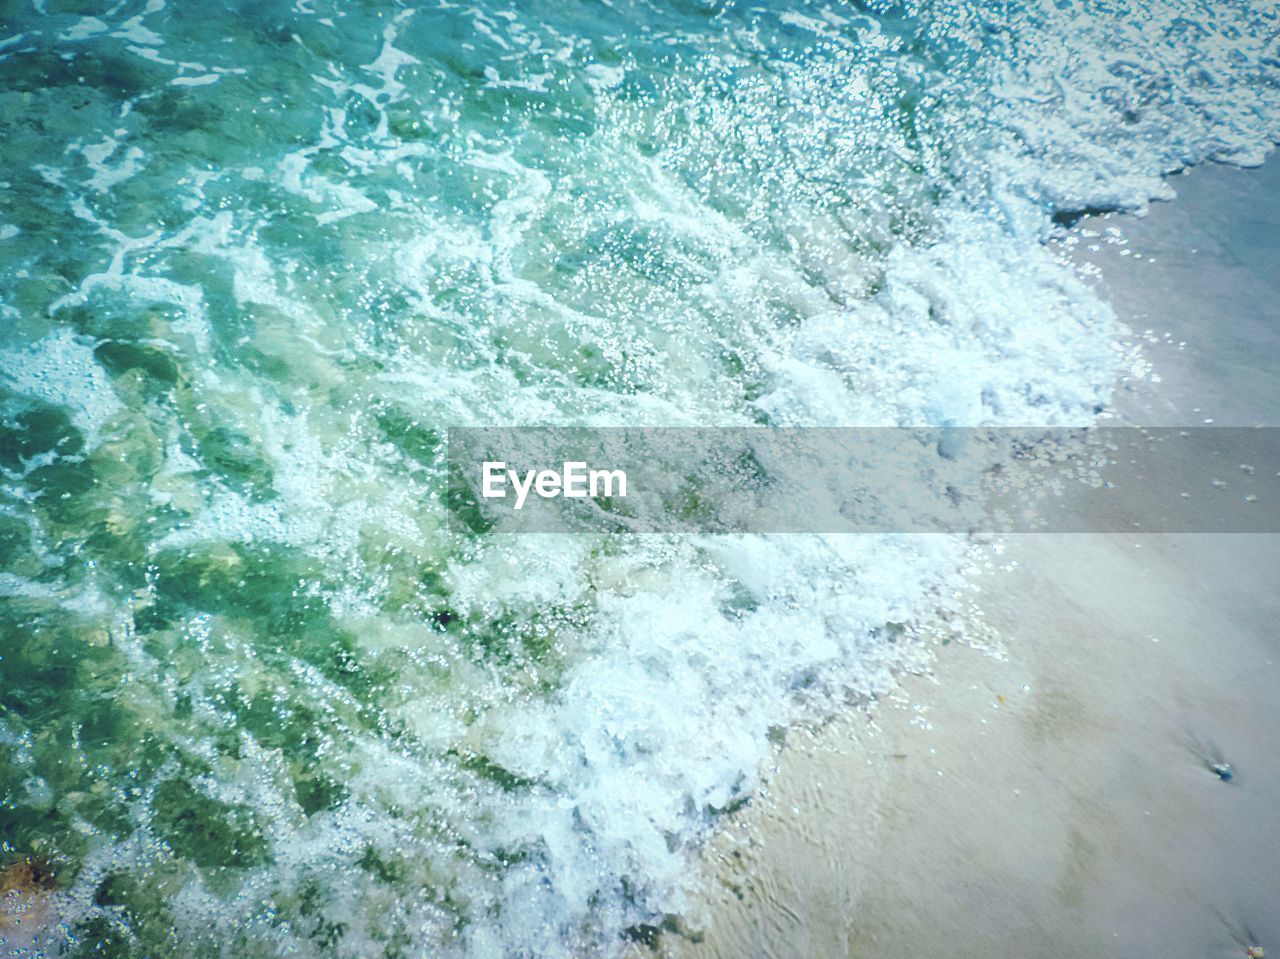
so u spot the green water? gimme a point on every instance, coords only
(255, 258)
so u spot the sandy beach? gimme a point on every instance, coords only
(1054, 794)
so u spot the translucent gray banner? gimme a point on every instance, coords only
(872, 480)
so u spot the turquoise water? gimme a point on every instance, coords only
(255, 698)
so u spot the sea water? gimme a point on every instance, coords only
(256, 698)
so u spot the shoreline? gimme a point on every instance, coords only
(1049, 783)
(1059, 798)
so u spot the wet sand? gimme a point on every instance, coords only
(1055, 797)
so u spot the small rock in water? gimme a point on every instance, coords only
(25, 914)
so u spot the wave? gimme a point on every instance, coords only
(259, 699)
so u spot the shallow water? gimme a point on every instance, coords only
(257, 699)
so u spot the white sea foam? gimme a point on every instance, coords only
(677, 290)
(62, 370)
